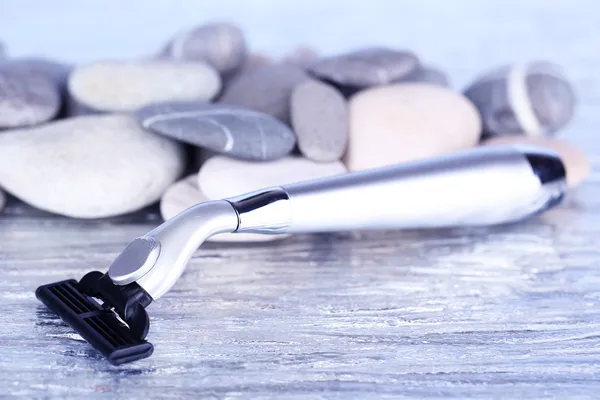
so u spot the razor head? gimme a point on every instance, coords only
(101, 324)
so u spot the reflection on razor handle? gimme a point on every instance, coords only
(484, 186)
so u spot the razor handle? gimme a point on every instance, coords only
(484, 186)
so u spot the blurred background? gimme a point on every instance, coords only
(462, 38)
(463, 35)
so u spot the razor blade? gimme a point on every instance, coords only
(116, 327)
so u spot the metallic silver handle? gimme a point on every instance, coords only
(483, 186)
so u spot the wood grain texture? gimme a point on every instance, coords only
(504, 312)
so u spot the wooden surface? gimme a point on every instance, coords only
(507, 312)
(510, 311)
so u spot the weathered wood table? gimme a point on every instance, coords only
(511, 312)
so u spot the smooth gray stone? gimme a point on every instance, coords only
(266, 89)
(222, 45)
(553, 99)
(225, 129)
(320, 120)
(426, 74)
(532, 99)
(366, 67)
(57, 71)
(27, 96)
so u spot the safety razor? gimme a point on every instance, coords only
(484, 186)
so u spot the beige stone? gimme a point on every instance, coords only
(577, 164)
(407, 122)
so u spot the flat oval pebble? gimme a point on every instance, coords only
(266, 89)
(366, 67)
(222, 45)
(27, 97)
(222, 177)
(320, 121)
(576, 162)
(185, 194)
(222, 128)
(129, 85)
(533, 99)
(406, 122)
(425, 74)
(89, 167)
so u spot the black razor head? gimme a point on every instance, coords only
(101, 324)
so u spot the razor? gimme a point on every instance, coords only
(484, 186)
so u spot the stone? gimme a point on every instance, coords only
(27, 97)
(56, 71)
(320, 121)
(366, 68)
(425, 74)
(185, 193)
(222, 128)
(222, 45)
(122, 86)
(533, 99)
(89, 166)
(577, 164)
(2, 200)
(266, 89)
(222, 176)
(301, 56)
(406, 122)
(256, 60)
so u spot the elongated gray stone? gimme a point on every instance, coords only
(226, 129)
(320, 121)
(366, 67)
(27, 96)
(266, 89)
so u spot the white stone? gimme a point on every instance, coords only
(222, 177)
(185, 193)
(89, 166)
(407, 122)
(128, 85)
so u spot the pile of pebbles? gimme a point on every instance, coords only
(205, 118)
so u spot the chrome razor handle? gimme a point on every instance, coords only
(483, 186)
(477, 187)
